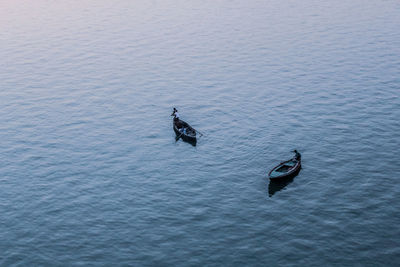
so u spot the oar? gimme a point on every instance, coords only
(179, 137)
(201, 134)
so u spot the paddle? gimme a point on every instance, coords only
(179, 137)
(201, 134)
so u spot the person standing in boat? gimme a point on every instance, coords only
(175, 113)
(297, 156)
(176, 119)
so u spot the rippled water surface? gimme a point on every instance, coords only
(90, 172)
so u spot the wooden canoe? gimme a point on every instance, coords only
(286, 169)
(186, 132)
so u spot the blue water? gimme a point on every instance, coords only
(91, 174)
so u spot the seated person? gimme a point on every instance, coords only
(297, 157)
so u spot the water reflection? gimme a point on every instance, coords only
(279, 184)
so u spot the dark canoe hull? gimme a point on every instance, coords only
(187, 138)
(290, 171)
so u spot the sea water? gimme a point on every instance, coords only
(91, 174)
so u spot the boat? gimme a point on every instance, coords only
(286, 169)
(184, 131)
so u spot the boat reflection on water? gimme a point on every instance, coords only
(277, 185)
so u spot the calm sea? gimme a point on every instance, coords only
(91, 174)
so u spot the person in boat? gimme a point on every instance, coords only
(177, 122)
(175, 113)
(297, 156)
